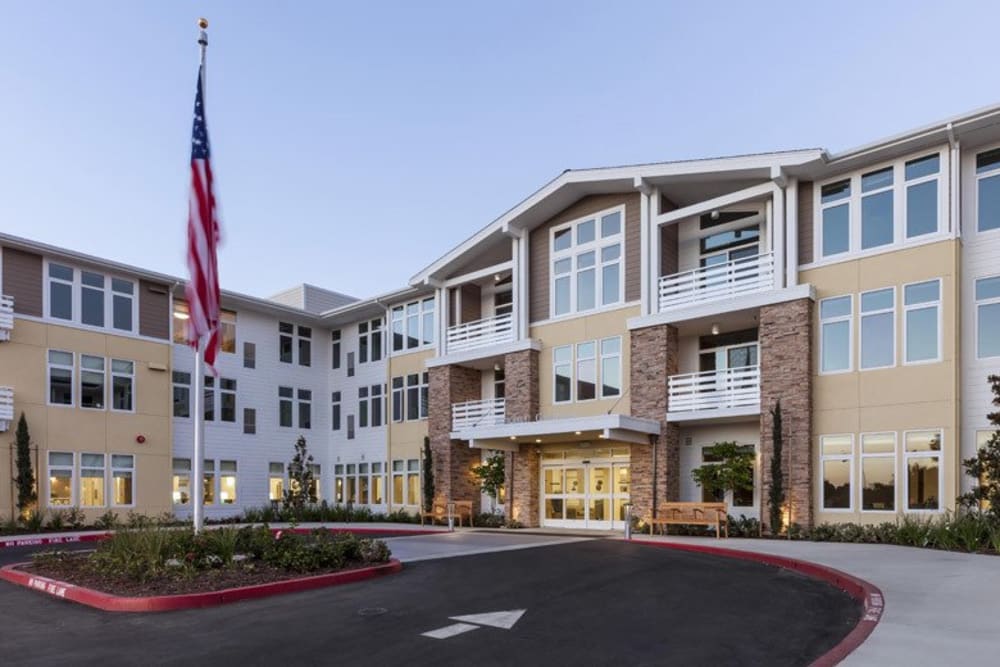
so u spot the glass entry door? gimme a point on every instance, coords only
(585, 494)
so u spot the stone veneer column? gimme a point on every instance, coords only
(653, 360)
(521, 405)
(453, 459)
(785, 337)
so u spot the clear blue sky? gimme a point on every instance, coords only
(356, 142)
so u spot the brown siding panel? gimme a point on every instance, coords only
(154, 310)
(472, 306)
(805, 222)
(22, 279)
(538, 251)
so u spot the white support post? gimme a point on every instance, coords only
(441, 315)
(522, 286)
(515, 274)
(792, 239)
(655, 243)
(778, 231)
(644, 232)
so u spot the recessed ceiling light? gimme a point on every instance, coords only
(513, 437)
(579, 432)
(538, 439)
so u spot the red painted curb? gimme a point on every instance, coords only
(35, 541)
(108, 602)
(867, 594)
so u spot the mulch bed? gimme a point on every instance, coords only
(74, 571)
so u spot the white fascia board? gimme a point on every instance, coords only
(721, 415)
(498, 350)
(742, 302)
(530, 429)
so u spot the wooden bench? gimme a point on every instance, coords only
(463, 509)
(705, 514)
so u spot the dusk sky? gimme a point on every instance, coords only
(354, 143)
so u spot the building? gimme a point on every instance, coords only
(602, 335)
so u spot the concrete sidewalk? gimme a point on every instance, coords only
(941, 608)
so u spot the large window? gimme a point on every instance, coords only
(60, 292)
(413, 325)
(988, 317)
(122, 385)
(91, 382)
(182, 317)
(923, 470)
(60, 479)
(292, 339)
(305, 408)
(835, 203)
(370, 341)
(876, 209)
(249, 421)
(922, 195)
(413, 481)
(227, 400)
(922, 321)
(988, 190)
(227, 482)
(835, 316)
(370, 406)
(182, 481)
(276, 481)
(587, 370)
(227, 331)
(837, 465)
(562, 362)
(878, 328)
(90, 298)
(335, 356)
(335, 413)
(60, 378)
(122, 474)
(182, 394)
(586, 264)
(878, 472)
(92, 480)
(285, 395)
(413, 401)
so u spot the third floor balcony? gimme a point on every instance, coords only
(480, 333)
(716, 282)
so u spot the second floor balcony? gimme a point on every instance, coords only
(6, 407)
(475, 414)
(729, 392)
(6, 316)
(716, 282)
(480, 333)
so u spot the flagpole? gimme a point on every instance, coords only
(198, 462)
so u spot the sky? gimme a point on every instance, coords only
(356, 142)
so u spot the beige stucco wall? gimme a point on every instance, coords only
(577, 330)
(406, 439)
(72, 429)
(900, 398)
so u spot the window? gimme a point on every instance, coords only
(425, 384)
(413, 397)
(835, 334)
(60, 479)
(122, 304)
(249, 421)
(586, 372)
(603, 356)
(922, 195)
(922, 321)
(60, 292)
(335, 416)
(350, 364)
(876, 209)
(836, 218)
(370, 341)
(92, 299)
(370, 406)
(378, 484)
(122, 470)
(305, 408)
(397, 399)
(91, 382)
(60, 378)
(398, 482)
(837, 461)
(350, 427)
(208, 482)
(209, 400)
(335, 356)
(363, 483)
(122, 385)
(92, 480)
(285, 406)
(305, 346)
(316, 484)
(923, 470)
(362, 407)
(413, 325)
(586, 264)
(227, 400)
(413, 481)
(227, 331)
(878, 329)
(376, 404)
(276, 482)
(249, 355)
(728, 246)
(227, 482)
(878, 472)
(285, 331)
(562, 358)
(611, 367)
(182, 315)
(182, 481)
(988, 317)
(351, 483)
(182, 394)
(988, 190)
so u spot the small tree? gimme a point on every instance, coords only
(776, 495)
(491, 475)
(732, 471)
(984, 467)
(301, 483)
(429, 489)
(25, 480)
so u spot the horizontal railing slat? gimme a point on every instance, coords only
(712, 390)
(740, 276)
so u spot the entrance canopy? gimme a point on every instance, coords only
(510, 436)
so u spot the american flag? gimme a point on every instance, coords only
(202, 290)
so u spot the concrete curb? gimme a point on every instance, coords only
(108, 602)
(867, 594)
(43, 540)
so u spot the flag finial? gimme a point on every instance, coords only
(203, 23)
(202, 35)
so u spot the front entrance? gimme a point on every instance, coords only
(585, 491)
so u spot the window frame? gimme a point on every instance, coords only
(849, 318)
(112, 469)
(130, 376)
(939, 455)
(861, 331)
(76, 287)
(336, 408)
(50, 468)
(993, 172)
(249, 421)
(920, 180)
(175, 385)
(939, 305)
(424, 311)
(103, 468)
(49, 365)
(851, 465)
(575, 250)
(862, 457)
(335, 349)
(980, 303)
(104, 381)
(879, 190)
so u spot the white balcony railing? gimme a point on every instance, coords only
(488, 331)
(472, 414)
(6, 407)
(715, 390)
(6, 316)
(713, 283)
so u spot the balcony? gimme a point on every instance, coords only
(480, 333)
(474, 414)
(716, 283)
(6, 316)
(6, 407)
(730, 392)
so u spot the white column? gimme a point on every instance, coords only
(778, 230)
(655, 243)
(645, 225)
(441, 317)
(515, 273)
(792, 239)
(522, 286)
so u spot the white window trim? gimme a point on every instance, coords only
(577, 359)
(598, 371)
(861, 336)
(131, 376)
(881, 455)
(601, 357)
(76, 307)
(894, 170)
(572, 374)
(112, 469)
(852, 458)
(72, 379)
(235, 474)
(73, 480)
(978, 303)
(919, 181)
(939, 454)
(974, 223)
(822, 336)
(104, 477)
(424, 306)
(575, 250)
(174, 384)
(939, 304)
(105, 369)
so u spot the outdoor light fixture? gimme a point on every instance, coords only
(513, 437)
(579, 432)
(714, 215)
(496, 277)
(715, 329)
(538, 439)
(496, 367)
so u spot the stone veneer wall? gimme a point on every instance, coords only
(453, 459)
(786, 374)
(521, 404)
(654, 359)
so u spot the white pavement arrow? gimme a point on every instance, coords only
(495, 619)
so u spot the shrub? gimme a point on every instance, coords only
(107, 521)
(75, 518)
(56, 520)
(744, 527)
(488, 520)
(34, 520)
